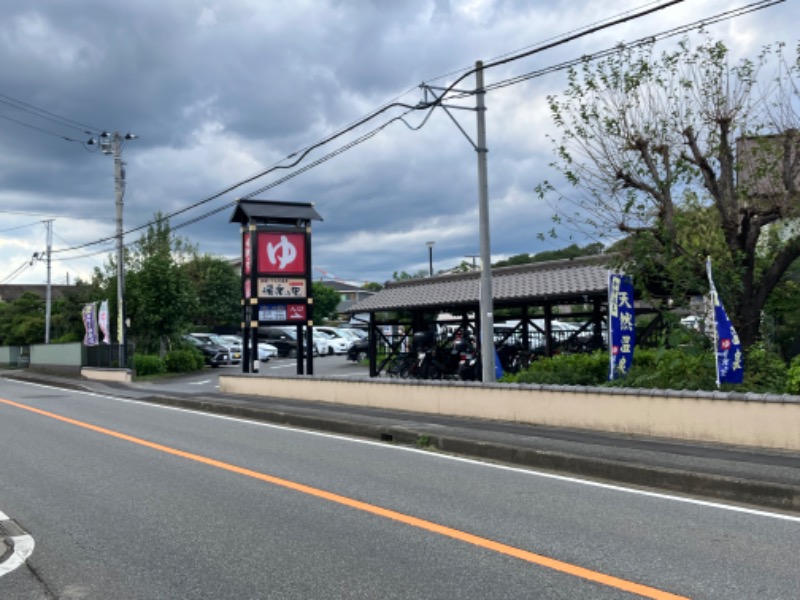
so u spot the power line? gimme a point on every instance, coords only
(20, 226)
(377, 112)
(572, 36)
(17, 272)
(39, 129)
(46, 114)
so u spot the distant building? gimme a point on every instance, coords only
(10, 292)
(349, 295)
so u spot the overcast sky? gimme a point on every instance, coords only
(219, 91)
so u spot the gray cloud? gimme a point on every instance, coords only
(219, 90)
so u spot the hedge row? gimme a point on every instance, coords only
(175, 361)
(675, 369)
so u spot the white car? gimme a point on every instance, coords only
(265, 351)
(339, 342)
(322, 344)
(336, 344)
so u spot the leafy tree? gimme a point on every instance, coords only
(404, 276)
(372, 286)
(160, 299)
(517, 259)
(217, 285)
(571, 251)
(326, 299)
(22, 321)
(66, 322)
(644, 134)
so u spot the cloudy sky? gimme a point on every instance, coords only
(219, 91)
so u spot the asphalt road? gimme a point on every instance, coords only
(129, 500)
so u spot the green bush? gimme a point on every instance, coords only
(670, 369)
(184, 360)
(793, 376)
(565, 369)
(764, 371)
(147, 364)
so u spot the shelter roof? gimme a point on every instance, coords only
(568, 281)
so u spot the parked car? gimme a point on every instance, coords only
(265, 350)
(234, 348)
(322, 344)
(285, 340)
(213, 354)
(359, 351)
(339, 342)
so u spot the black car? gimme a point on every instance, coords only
(285, 340)
(214, 355)
(359, 350)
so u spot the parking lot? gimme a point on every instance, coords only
(327, 366)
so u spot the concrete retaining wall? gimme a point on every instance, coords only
(104, 374)
(765, 421)
(66, 358)
(9, 356)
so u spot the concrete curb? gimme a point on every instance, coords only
(732, 489)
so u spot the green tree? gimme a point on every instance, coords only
(372, 286)
(22, 321)
(405, 276)
(326, 299)
(159, 298)
(66, 322)
(644, 133)
(217, 286)
(517, 259)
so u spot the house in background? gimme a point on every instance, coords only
(349, 295)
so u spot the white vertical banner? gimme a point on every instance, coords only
(102, 321)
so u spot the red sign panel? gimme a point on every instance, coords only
(295, 312)
(246, 252)
(281, 253)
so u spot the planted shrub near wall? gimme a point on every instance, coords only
(148, 364)
(183, 361)
(565, 369)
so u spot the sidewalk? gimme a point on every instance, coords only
(742, 475)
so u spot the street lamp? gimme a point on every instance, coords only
(430, 257)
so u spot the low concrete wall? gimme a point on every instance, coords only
(102, 374)
(9, 356)
(764, 421)
(60, 358)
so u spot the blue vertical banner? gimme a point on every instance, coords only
(727, 347)
(89, 314)
(621, 325)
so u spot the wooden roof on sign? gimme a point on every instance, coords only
(273, 211)
(569, 281)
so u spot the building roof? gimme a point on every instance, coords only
(342, 286)
(568, 281)
(10, 292)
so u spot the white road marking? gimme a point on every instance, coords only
(22, 548)
(437, 456)
(205, 381)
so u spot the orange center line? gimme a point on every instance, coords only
(531, 557)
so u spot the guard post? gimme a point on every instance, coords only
(276, 274)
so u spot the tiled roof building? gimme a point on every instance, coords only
(571, 281)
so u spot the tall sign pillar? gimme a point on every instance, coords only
(276, 275)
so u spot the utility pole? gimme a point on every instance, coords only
(485, 310)
(113, 146)
(48, 302)
(487, 313)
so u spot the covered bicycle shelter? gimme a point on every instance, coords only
(527, 301)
